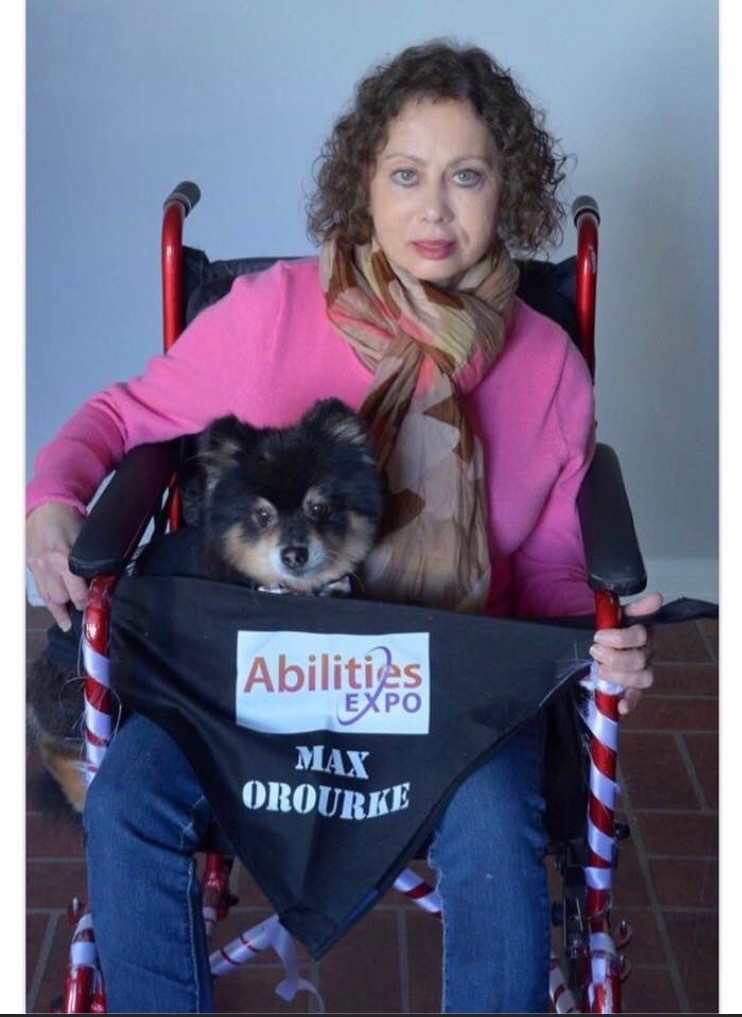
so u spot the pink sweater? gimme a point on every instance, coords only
(267, 351)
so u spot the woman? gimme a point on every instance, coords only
(481, 408)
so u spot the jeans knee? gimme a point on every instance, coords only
(494, 822)
(145, 792)
(105, 805)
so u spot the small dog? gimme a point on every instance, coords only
(289, 510)
(286, 510)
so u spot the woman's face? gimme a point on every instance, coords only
(435, 190)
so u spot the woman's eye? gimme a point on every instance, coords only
(405, 177)
(467, 177)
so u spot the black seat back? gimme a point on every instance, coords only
(548, 287)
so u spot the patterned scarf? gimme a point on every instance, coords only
(427, 347)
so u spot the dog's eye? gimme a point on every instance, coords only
(263, 517)
(319, 511)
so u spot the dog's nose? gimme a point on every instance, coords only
(295, 556)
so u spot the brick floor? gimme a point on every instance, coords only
(666, 883)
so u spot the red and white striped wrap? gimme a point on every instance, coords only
(562, 999)
(601, 719)
(247, 945)
(98, 696)
(215, 891)
(83, 990)
(97, 718)
(99, 706)
(271, 933)
(83, 951)
(412, 886)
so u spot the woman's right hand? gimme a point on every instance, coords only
(51, 530)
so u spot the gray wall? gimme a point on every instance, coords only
(127, 97)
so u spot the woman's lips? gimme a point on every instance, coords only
(434, 249)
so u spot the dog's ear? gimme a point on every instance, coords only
(336, 421)
(222, 443)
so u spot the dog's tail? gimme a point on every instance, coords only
(53, 725)
(63, 758)
(63, 761)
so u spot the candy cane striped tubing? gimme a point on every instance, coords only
(215, 890)
(98, 698)
(600, 718)
(417, 890)
(272, 934)
(562, 999)
(244, 947)
(210, 919)
(83, 991)
(98, 1001)
(83, 952)
(97, 716)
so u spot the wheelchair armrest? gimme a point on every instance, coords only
(118, 519)
(614, 561)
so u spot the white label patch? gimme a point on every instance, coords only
(301, 681)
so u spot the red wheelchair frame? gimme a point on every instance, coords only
(596, 970)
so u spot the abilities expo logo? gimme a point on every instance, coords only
(288, 682)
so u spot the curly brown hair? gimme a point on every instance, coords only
(530, 212)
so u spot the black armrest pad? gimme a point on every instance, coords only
(614, 561)
(118, 519)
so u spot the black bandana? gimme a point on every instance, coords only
(363, 719)
(329, 734)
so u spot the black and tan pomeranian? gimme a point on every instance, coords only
(291, 510)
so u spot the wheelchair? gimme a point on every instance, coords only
(142, 498)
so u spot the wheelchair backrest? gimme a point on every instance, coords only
(548, 287)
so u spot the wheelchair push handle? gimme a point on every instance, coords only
(584, 203)
(607, 610)
(187, 194)
(586, 218)
(179, 203)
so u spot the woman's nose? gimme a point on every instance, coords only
(435, 205)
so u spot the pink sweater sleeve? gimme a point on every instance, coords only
(176, 394)
(549, 571)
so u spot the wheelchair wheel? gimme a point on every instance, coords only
(569, 915)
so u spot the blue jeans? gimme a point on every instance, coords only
(146, 815)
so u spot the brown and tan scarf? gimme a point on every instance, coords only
(427, 347)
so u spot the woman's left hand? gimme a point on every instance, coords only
(625, 655)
